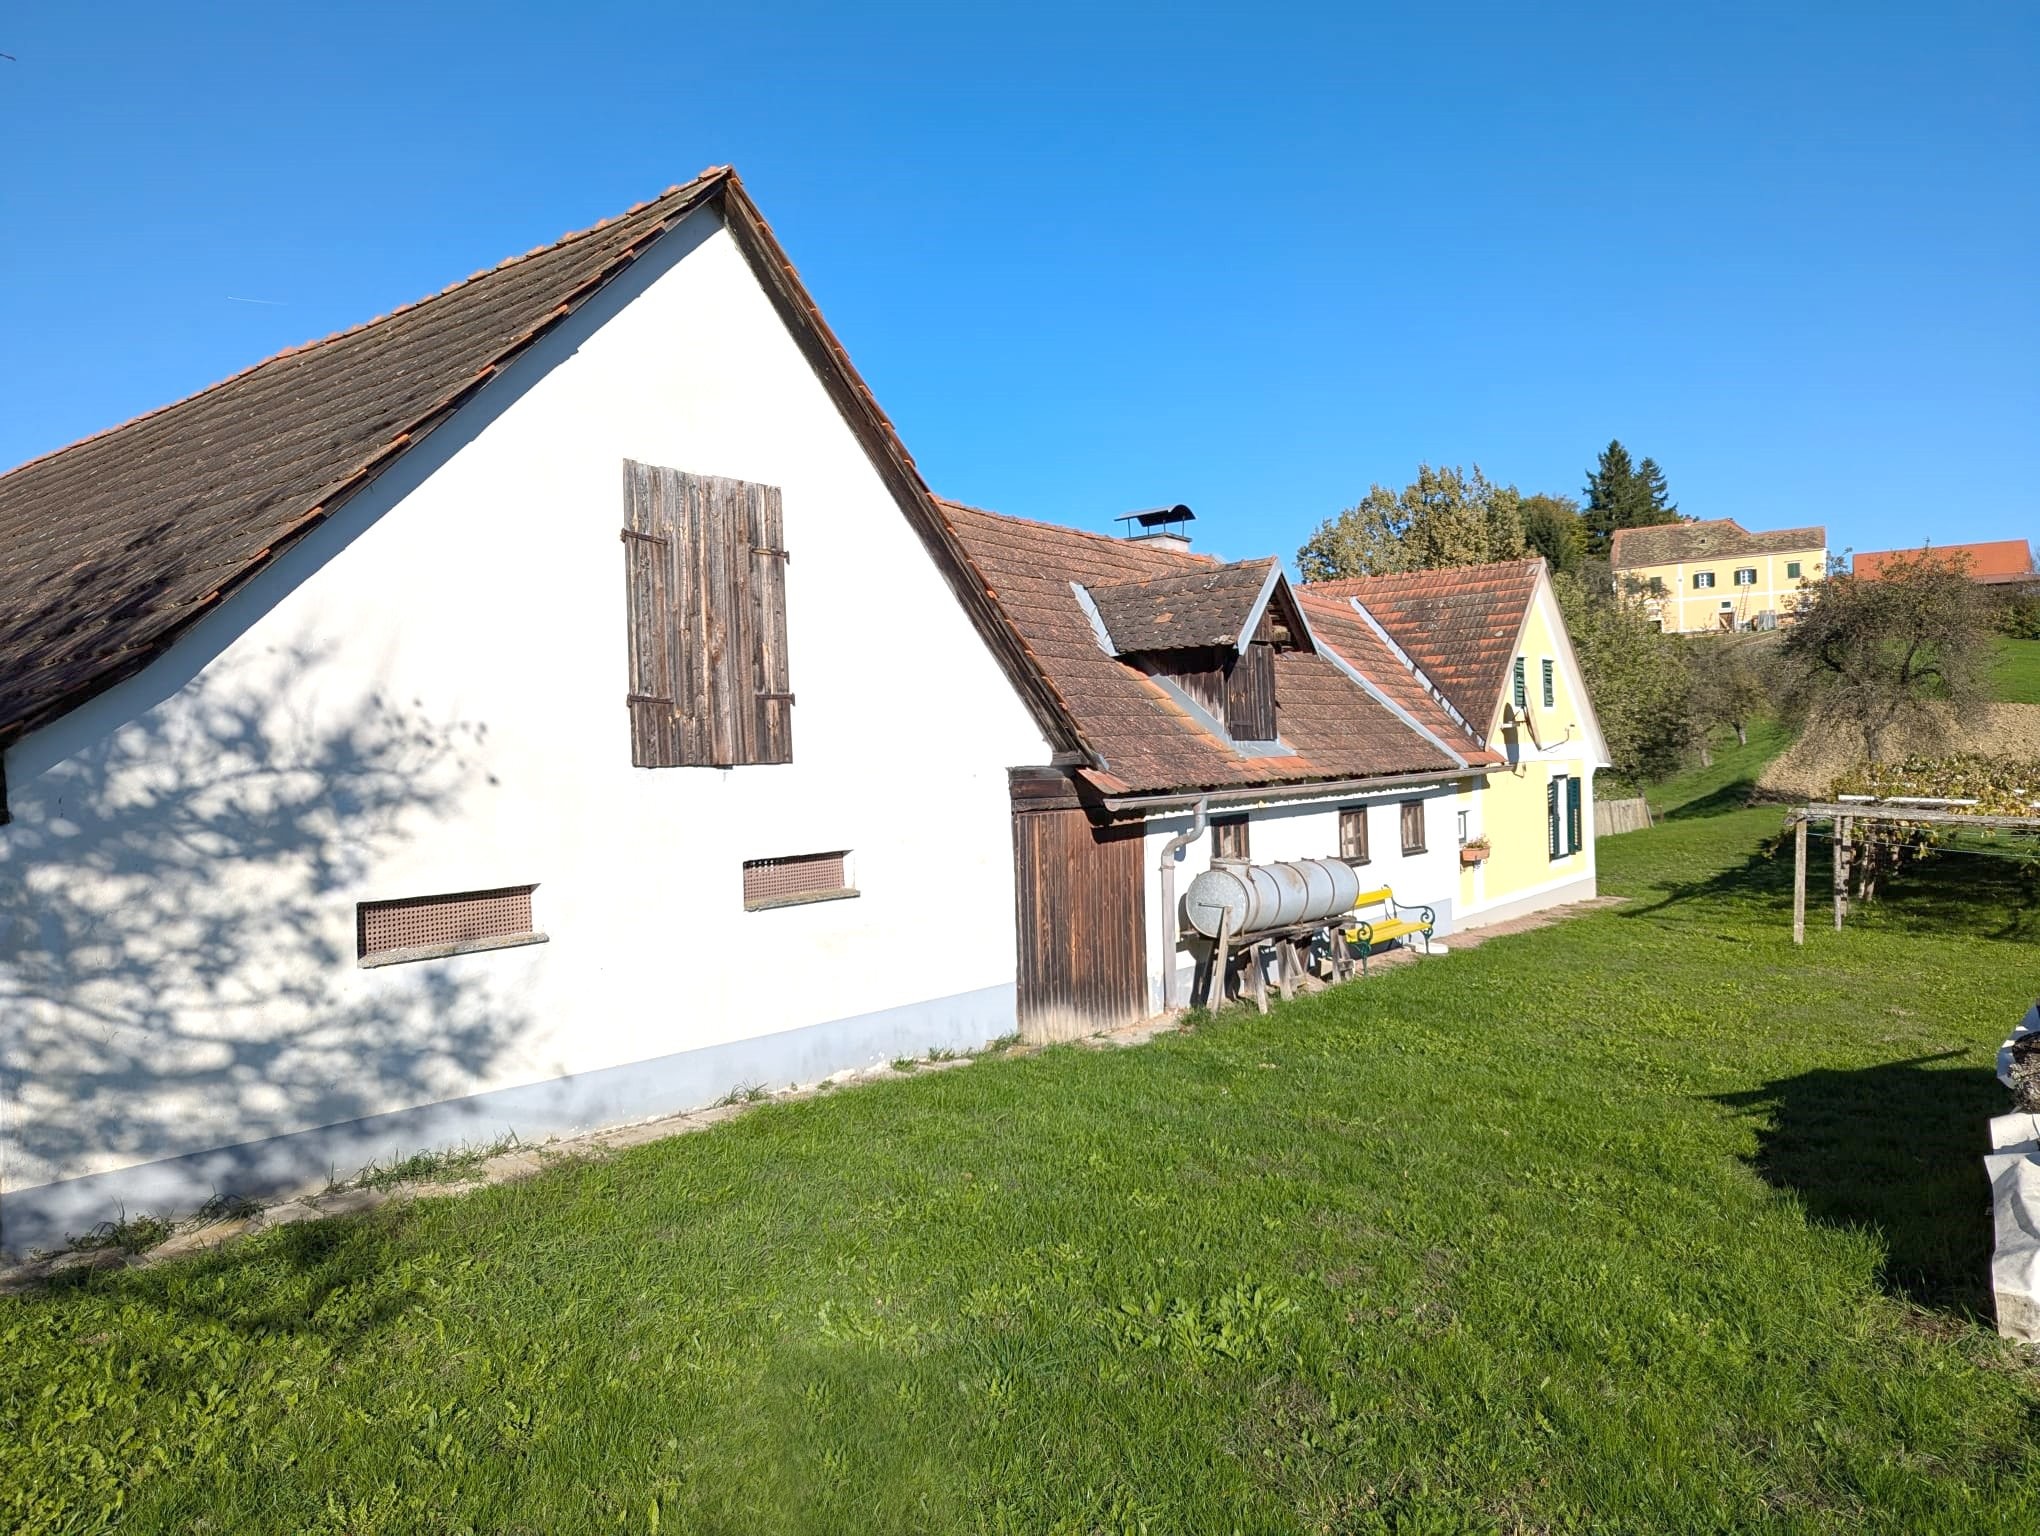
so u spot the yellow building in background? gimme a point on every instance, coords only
(1702, 576)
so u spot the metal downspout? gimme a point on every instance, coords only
(1170, 849)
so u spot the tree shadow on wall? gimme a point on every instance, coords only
(1897, 1149)
(176, 927)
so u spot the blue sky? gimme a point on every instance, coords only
(1092, 259)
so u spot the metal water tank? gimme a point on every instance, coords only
(1262, 896)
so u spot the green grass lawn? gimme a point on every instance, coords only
(1728, 782)
(2016, 677)
(1643, 1222)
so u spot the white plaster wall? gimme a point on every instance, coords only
(1280, 830)
(427, 696)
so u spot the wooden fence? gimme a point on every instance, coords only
(1612, 816)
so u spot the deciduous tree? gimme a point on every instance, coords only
(1445, 517)
(1874, 657)
(1732, 682)
(1552, 528)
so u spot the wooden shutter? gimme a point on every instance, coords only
(1250, 694)
(1522, 690)
(1550, 683)
(1551, 816)
(1573, 841)
(771, 681)
(706, 570)
(648, 607)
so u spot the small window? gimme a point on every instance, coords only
(1657, 586)
(789, 882)
(1413, 826)
(1792, 570)
(432, 927)
(1746, 576)
(1353, 834)
(1550, 682)
(1703, 579)
(1522, 687)
(1229, 838)
(1465, 828)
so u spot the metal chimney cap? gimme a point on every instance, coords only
(1156, 517)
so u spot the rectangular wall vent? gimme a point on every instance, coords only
(421, 927)
(797, 878)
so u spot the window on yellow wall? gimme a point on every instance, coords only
(1791, 570)
(1703, 579)
(1550, 682)
(1746, 576)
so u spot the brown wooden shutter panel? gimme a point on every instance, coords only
(648, 604)
(771, 677)
(724, 589)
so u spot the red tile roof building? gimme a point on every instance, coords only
(2002, 562)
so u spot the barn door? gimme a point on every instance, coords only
(1083, 955)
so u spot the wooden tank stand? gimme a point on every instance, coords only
(1292, 969)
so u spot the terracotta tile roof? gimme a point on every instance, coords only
(1459, 625)
(111, 547)
(1162, 613)
(1996, 563)
(1338, 627)
(1147, 740)
(1722, 539)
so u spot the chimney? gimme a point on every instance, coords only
(1161, 526)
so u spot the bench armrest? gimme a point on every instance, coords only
(1429, 916)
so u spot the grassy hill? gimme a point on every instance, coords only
(2016, 677)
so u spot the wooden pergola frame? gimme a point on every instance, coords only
(1844, 815)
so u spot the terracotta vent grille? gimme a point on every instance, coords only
(433, 922)
(769, 882)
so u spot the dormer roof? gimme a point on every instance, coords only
(1221, 605)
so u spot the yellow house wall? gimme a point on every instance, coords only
(1512, 809)
(1686, 609)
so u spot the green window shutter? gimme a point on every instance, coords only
(1574, 841)
(1550, 683)
(1551, 816)
(1522, 685)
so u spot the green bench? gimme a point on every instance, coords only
(1387, 925)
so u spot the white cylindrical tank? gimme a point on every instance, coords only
(1261, 896)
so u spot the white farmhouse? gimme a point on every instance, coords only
(561, 702)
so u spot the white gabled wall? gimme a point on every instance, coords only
(428, 696)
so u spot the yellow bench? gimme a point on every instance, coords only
(1389, 926)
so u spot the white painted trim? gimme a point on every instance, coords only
(1098, 630)
(1252, 621)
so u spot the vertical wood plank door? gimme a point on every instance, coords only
(1083, 951)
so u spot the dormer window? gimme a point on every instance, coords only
(1211, 637)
